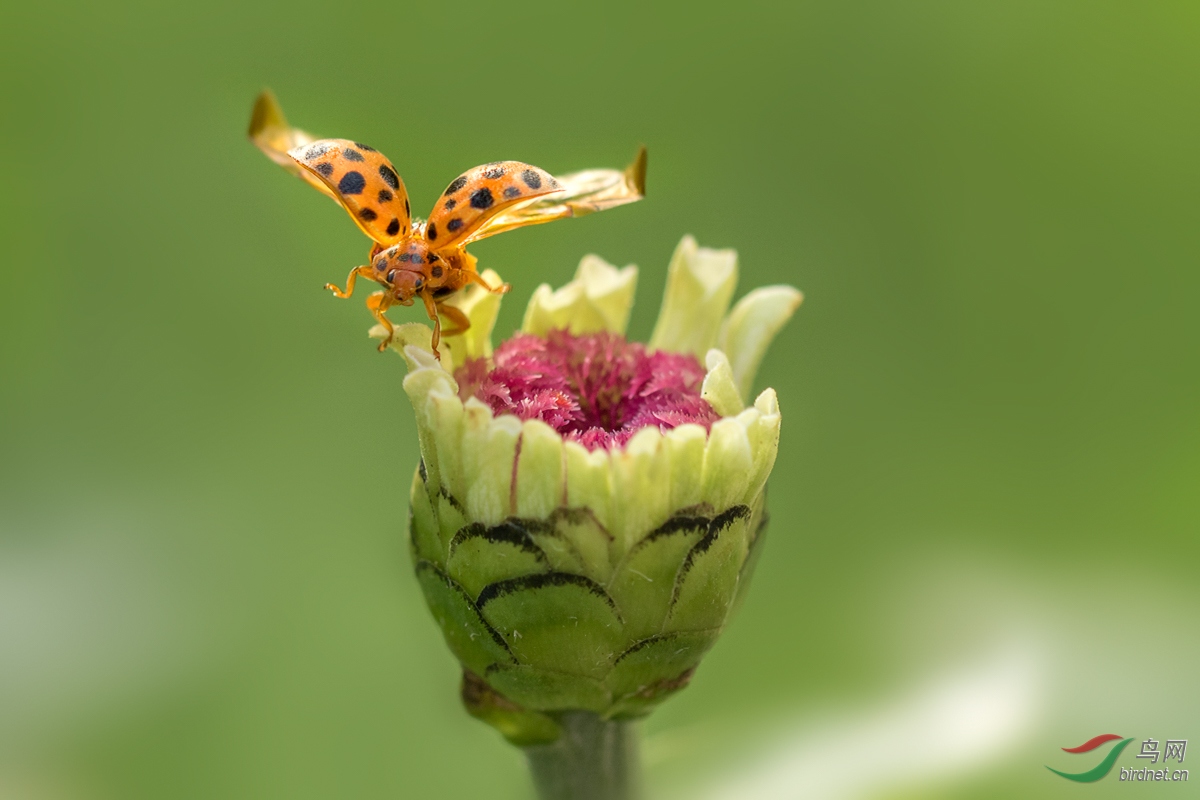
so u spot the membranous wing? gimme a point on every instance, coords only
(269, 130)
(584, 192)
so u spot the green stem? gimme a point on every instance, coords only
(593, 759)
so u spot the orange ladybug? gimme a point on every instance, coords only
(413, 258)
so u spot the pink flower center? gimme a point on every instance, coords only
(596, 389)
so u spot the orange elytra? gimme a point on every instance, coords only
(412, 258)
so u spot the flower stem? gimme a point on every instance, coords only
(593, 759)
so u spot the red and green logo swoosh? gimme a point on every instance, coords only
(1100, 770)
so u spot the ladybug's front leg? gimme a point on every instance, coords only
(432, 310)
(349, 290)
(378, 303)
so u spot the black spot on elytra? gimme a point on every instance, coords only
(389, 176)
(431, 232)
(445, 291)
(454, 224)
(352, 183)
(352, 155)
(407, 213)
(494, 173)
(511, 192)
(381, 264)
(367, 215)
(325, 168)
(455, 185)
(385, 196)
(436, 272)
(393, 227)
(450, 204)
(366, 147)
(482, 198)
(315, 152)
(532, 179)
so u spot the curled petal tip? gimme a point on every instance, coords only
(598, 299)
(767, 402)
(700, 285)
(751, 327)
(719, 388)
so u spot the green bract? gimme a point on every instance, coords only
(567, 579)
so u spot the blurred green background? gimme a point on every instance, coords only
(985, 511)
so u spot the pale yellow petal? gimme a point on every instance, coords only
(589, 481)
(539, 470)
(640, 472)
(489, 448)
(609, 290)
(727, 463)
(598, 299)
(750, 328)
(422, 383)
(763, 433)
(685, 446)
(700, 284)
(444, 460)
(415, 335)
(718, 387)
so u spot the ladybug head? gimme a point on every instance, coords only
(405, 284)
(402, 269)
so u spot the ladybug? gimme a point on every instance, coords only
(417, 259)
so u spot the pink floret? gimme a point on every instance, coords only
(596, 389)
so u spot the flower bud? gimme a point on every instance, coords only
(587, 511)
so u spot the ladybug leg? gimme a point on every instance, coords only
(378, 303)
(475, 277)
(461, 321)
(432, 310)
(349, 290)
